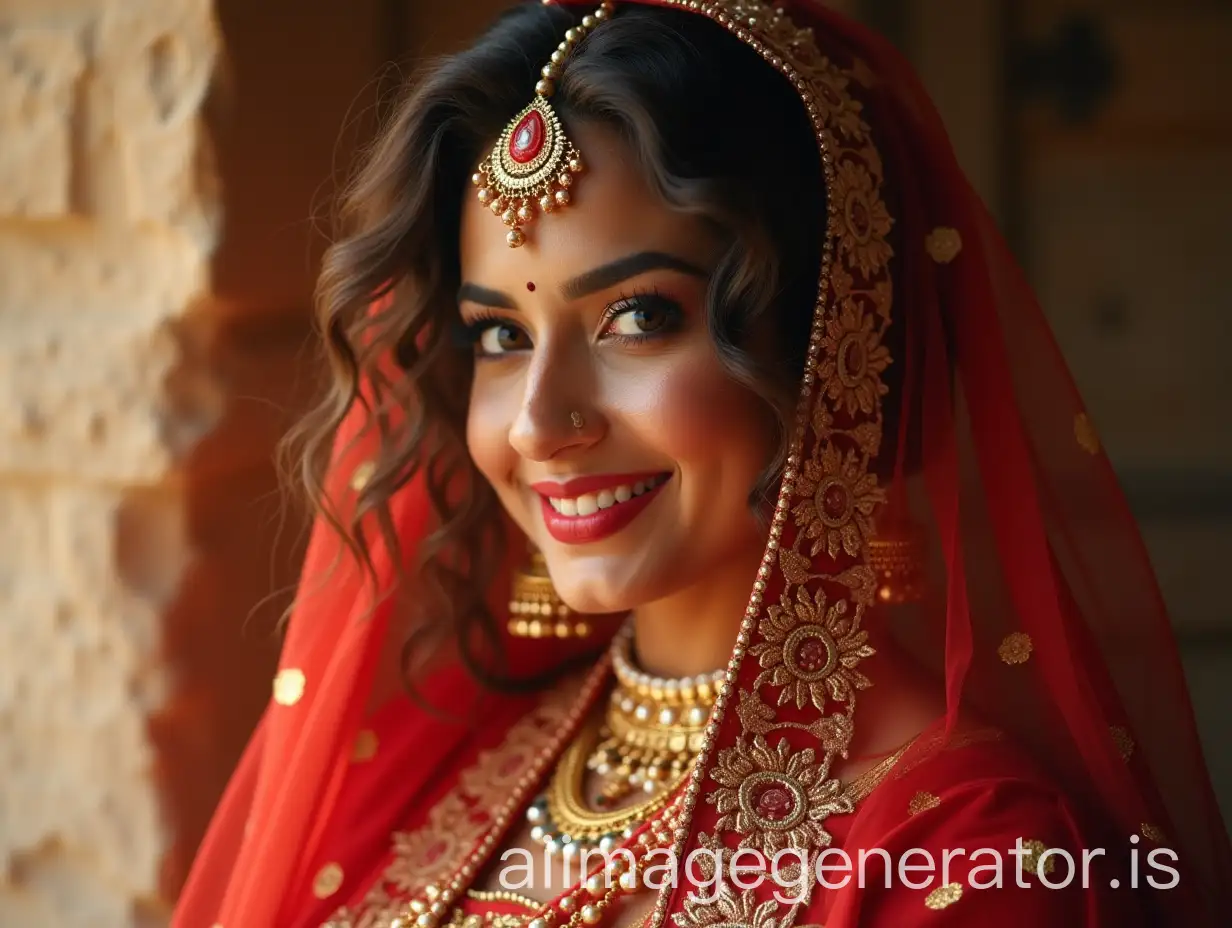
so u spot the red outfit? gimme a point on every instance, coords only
(1048, 621)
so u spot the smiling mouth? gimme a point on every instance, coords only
(588, 504)
(601, 511)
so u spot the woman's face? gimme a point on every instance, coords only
(599, 410)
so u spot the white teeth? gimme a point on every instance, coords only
(590, 503)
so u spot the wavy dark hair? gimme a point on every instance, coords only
(719, 134)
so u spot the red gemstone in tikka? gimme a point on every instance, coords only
(528, 137)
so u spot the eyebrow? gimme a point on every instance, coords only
(620, 270)
(592, 281)
(484, 297)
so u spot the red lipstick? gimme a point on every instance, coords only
(576, 530)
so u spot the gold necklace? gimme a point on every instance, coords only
(647, 742)
(653, 728)
(672, 692)
(564, 822)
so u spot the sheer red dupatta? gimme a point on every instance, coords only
(340, 662)
(1045, 615)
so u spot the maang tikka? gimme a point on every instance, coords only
(533, 165)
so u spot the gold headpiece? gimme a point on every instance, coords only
(534, 164)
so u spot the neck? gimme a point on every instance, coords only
(694, 630)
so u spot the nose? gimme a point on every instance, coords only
(557, 413)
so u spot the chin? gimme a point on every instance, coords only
(602, 585)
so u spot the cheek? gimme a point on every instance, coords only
(487, 431)
(705, 422)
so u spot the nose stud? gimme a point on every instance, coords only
(578, 421)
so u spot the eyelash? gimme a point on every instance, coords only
(472, 331)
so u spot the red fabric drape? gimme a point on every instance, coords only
(1029, 535)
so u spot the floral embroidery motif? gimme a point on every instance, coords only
(839, 499)
(839, 109)
(458, 821)
(943, 244)
(776, 798)
(811, 651)
(922, 802)
(428, 853)
(865, 216)
(944, 896)
(730, 911)
(1084, 432)
(855, 359)
(1121, 738)
(1015, 648)
(1031, 862)
(770, 781)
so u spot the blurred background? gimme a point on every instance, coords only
(166, 173)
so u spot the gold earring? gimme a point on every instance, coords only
(577, 420)
(896, 555)
(535, 609)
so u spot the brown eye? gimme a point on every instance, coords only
(643, 316)
(502, 338)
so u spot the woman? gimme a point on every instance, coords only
(744, 323)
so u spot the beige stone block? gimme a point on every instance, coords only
(143, 154)
(39, 73)
(70, 14)
(87, 341)
(81, 835)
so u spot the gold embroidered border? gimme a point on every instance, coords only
(810, 642)
(457, 823)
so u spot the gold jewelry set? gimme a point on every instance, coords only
(653, 729)
(646, 743)
(533, 165)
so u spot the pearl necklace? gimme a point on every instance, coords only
(651, 733)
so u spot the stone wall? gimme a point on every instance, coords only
(107, 222)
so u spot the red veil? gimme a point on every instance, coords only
(1044, 613)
